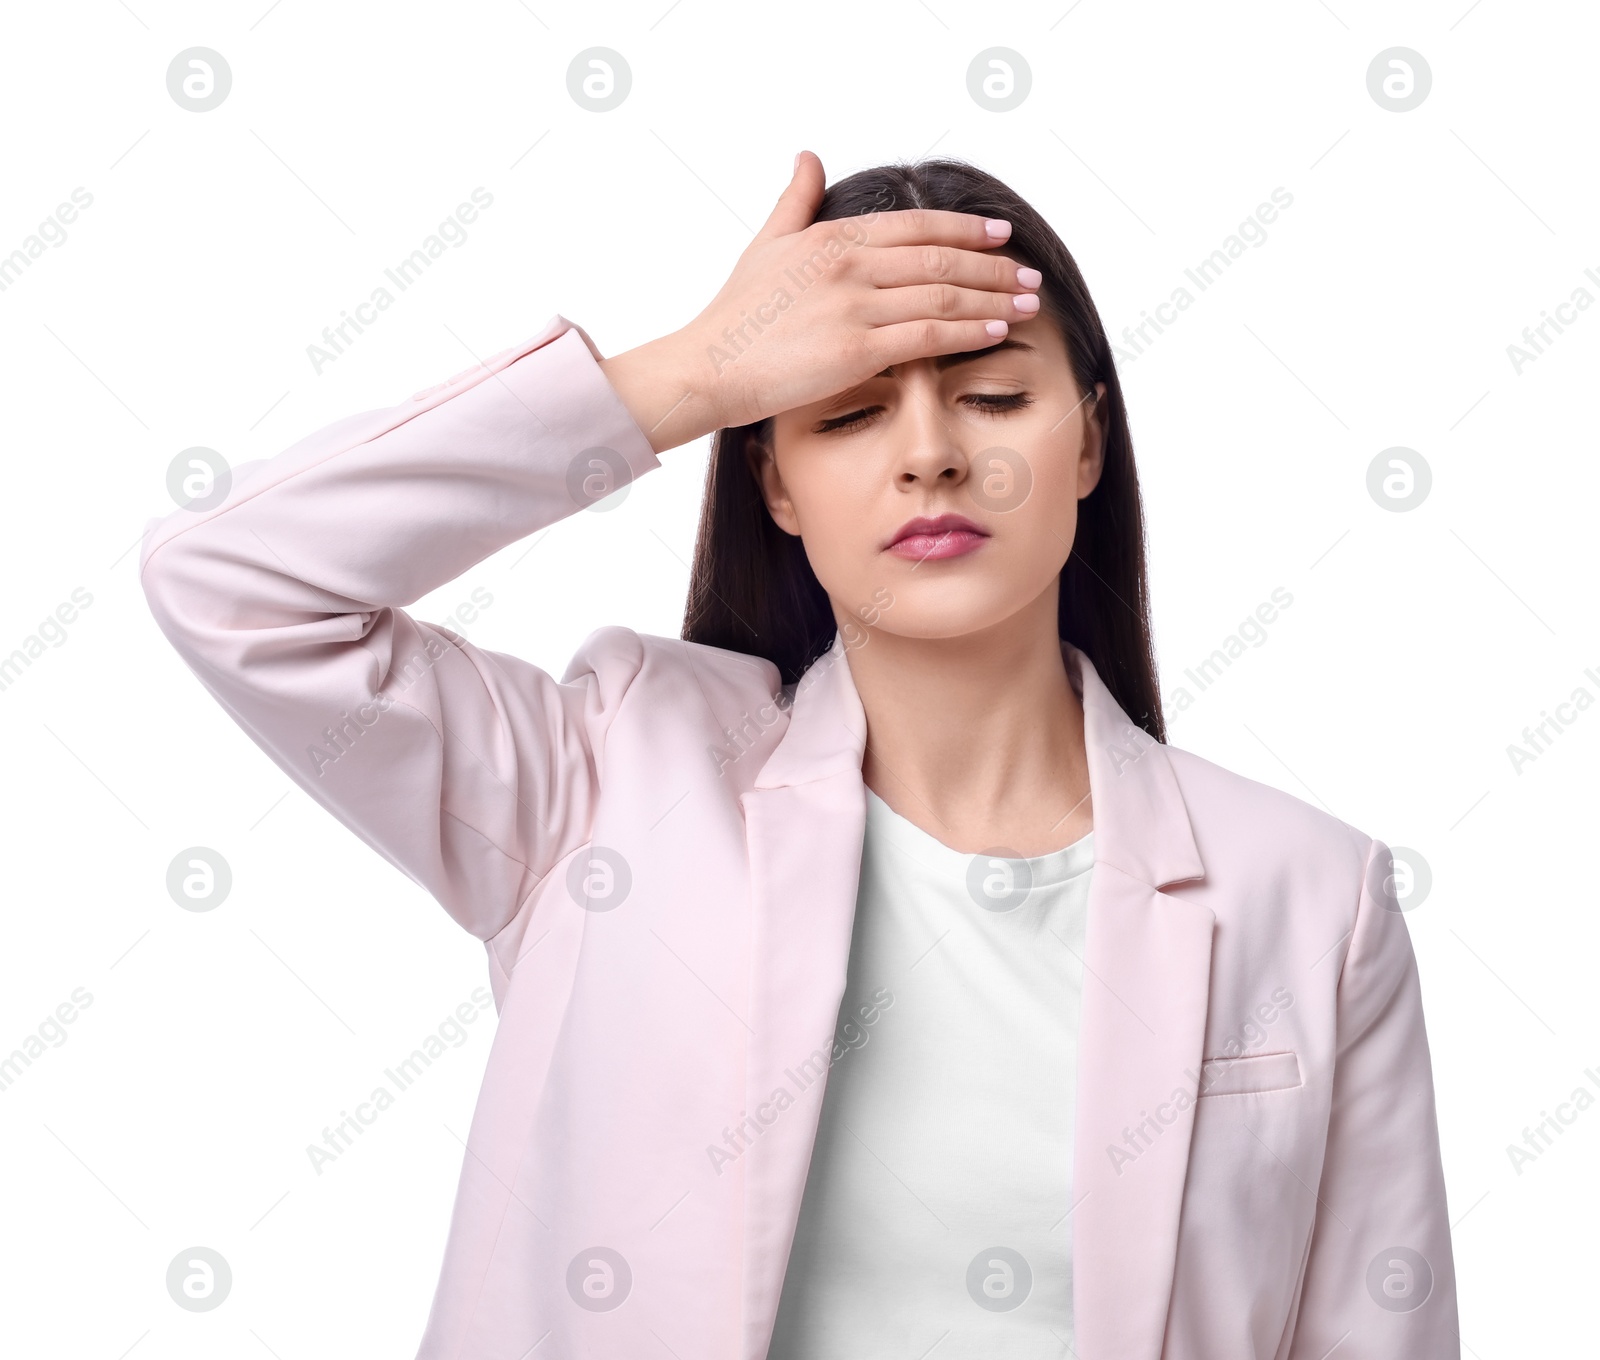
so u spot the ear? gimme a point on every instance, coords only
(763, 463)
(1092, 457)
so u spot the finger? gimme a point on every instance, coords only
(916, 226)
(946, 302)
(908, 340)
(901, 266)
(797, 205)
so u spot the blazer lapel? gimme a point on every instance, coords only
(804, 821)
(1146, 976)
(1146, 986)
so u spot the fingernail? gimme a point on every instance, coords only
(1026, 303)
(796, 165)
(997, 329)
(1029, 278)
(998, 230)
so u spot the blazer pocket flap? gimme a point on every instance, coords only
(1249, 1072)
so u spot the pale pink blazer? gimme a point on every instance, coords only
(1253, 1176)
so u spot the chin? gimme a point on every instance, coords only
(937, 619)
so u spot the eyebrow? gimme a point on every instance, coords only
(943, 361)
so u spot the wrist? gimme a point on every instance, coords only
(665, 390)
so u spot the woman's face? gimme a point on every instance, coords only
(995, 447)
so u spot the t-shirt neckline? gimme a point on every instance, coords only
(1056, 866)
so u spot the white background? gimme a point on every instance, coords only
(178, 312)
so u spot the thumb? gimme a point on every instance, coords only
(797, 205)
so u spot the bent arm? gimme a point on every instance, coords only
(470, 771)
(1380, 1278)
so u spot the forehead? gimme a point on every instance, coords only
(1036, 343)
(942, 362)
(1034, 340)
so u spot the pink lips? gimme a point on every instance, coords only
(946, 536)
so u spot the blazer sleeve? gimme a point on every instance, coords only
(471, 771)
(1380, 1273)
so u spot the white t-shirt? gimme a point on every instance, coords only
(936, 1207)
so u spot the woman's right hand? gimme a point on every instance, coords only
(813, 308)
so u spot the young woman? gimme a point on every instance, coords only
(873, 979)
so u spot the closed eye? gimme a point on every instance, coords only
(989, 403)
(992, 403)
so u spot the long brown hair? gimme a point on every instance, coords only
(751, 587)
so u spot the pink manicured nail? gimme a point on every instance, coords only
(1029, 278)
(1026, 303)
(998, 230)
(997, 329)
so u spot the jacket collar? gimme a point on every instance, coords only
(1140, 822)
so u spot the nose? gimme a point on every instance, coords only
(928, 451)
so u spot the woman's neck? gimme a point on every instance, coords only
(977, 739)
